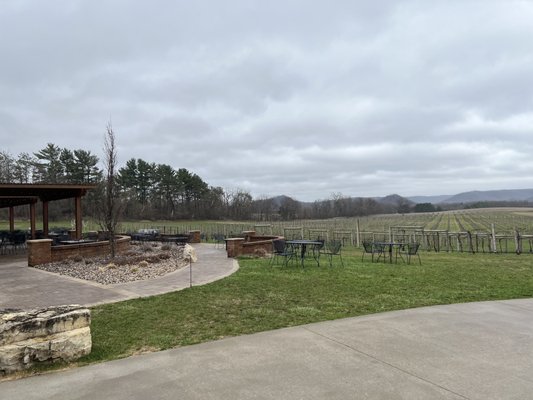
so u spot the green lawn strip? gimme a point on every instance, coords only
(259, 297)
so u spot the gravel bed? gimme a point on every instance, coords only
(145, 261)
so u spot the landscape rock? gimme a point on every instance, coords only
(60, 333)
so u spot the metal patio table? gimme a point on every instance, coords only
(302, 244)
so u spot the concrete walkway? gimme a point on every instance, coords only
(25, 287)
(464, 351)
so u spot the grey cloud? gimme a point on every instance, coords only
(280, 97)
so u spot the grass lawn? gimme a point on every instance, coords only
(259, 298)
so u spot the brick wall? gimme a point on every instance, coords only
(42, 252)
(250, 244)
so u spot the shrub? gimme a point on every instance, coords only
(153, 259)
(77, 258)
(146, 248)
(121, 261)
(260, 253)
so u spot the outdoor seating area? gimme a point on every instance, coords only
(389, 251)
(12, 242)
(309, 252)
(144, 235)
(154, 235)
(302, 250)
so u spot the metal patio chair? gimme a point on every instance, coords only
(331, 249)
(219, 239)
(281, 249)
(373, 248)
(409, 250)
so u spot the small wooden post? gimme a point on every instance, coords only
(517, 244)
(357, 233)
(470, 245)
(493, 239)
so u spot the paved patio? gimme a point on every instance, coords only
(25, 287)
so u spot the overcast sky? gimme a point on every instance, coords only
(303, 98)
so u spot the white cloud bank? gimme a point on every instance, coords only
(284, 97)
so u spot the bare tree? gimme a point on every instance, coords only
(110, 209)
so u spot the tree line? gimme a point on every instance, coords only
(147, 190)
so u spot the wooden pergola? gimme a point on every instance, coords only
(13, 195)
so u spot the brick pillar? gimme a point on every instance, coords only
(234, 247)
(39, 251)
(248, 234)
(194, 237)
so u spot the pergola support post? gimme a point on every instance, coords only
(77, 208)
(32, 220)
(11, 219)
(45, 219)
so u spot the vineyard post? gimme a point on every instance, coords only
(357, 232)
(517, 245)
(493, 239)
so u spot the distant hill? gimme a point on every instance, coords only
(279, 200)
(394, 199)
(430, 199)
(464, 198)
(491, 195)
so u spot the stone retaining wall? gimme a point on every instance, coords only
(60, 333)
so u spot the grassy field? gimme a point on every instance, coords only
(259, 297)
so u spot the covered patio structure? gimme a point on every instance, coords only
(14, 195)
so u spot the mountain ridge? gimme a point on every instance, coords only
(490, 195)
(472, 196)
